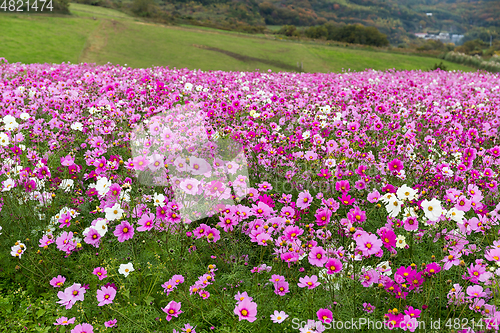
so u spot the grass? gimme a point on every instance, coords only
(100, 35)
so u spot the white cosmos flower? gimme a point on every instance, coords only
(24, 116)
(388, 197)
(4, 139)
(114, 213)
(125, 195)
(158, 199)
(66, 184)
(456, 215)
(409, 212)
(76, 126)
(11, 126)
(432, 209)
(447, 172)
(8, 184)
(385, 268)
(400, 242)
(393, 207)
(125, 269)
(103, 185)
(406, 193)
(101, 226)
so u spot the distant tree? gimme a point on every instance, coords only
(472, 47)
(289, 30)
(142, 7)
(441, 66)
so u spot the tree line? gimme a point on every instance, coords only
(351, 33)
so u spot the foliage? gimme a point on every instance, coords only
(440, 66)
(354, 34)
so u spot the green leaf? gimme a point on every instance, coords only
(126, 293)
(40, 313)
(149, 299)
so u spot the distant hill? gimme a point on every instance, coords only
(97, 35)
(398, 19)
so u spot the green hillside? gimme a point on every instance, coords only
(98, 35)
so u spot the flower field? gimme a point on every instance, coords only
(176, 200)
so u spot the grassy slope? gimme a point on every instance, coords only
(117, 38)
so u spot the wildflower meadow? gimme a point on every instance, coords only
(175, 200)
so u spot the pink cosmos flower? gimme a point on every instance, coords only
(292, 232)
(83, 328)
(346, 199)
(323, 216)
(177, 279)
(64, 321)
(100, 272)
(368, 307)
(110, 323)
(93, 237)
(58, 281)
(373, 196)
(45, 241)
(343, 186)
(432, 268)
(395, 165)
(333, 266)
(188, 328)
(246, 310)
(309, 282)
(124, 231)
(201, 231)
(65, 220)
(317, 256)
(68, 160)
(65, 242)
(106, 295)
(304, 200)
(408, 323)
(281, 288)
(204, 294)
(168, 287)
(71, 295)
(475, 291)
(240, 297)
(173, 309)
(213, 235)
(368, 244)
(146, 222)
(369, 277)
(325, 315)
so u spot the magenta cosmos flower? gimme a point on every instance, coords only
(333, 265)
(395, 165)
(106, 295)
(325, 315)
(100, 272)
(173, 309)
(124, 231)
(246, 310)
(110, 323)
(83, 328)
